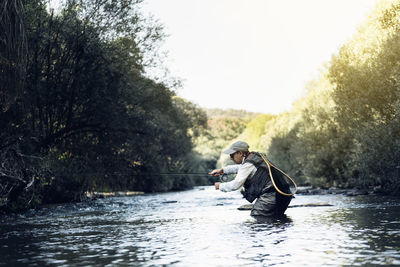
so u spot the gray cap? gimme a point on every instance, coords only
(237, 146)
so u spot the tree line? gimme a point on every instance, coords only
(79, 113)
(346, 131)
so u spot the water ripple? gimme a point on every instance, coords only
(203, 227)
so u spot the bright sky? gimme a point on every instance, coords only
(255, 55)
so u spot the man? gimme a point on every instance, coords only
(253, 173)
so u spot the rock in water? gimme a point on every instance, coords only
(246, 207)
(250, 206)
(311, 205)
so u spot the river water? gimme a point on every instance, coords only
(203, 227)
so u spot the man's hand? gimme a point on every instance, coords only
(217, 185)
(217, 172)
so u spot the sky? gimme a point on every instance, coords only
(255, 55)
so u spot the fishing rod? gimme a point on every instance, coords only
(178, 173)
(166, 173)
(222, 177)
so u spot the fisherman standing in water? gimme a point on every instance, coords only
(254, 173)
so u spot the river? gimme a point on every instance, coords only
(203, 227)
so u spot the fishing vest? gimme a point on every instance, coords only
(260, 182)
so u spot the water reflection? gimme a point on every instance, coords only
(204, 227)
(272, 221)
(373, 231)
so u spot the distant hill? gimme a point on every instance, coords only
(229, 113)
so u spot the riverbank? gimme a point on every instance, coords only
(378, 190)
(95, 195)
(302, 190)
(332, 191)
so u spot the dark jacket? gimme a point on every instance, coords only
(260, 183)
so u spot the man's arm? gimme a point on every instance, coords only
(230, 169)
(243, 172)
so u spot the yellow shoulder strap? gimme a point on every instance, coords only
(272, 178)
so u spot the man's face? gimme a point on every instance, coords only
(237, 157)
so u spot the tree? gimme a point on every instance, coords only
(365, 74)
(255, 129)
(12, 52)
(88, 114)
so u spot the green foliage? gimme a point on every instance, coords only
(12, 52)
(230, 113)
(196, 117)
(223, 127)
(255, 129)
(89, 113)
(345, 131)
(365, 75)
(220, 132)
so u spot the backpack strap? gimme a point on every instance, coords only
(272, 179)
